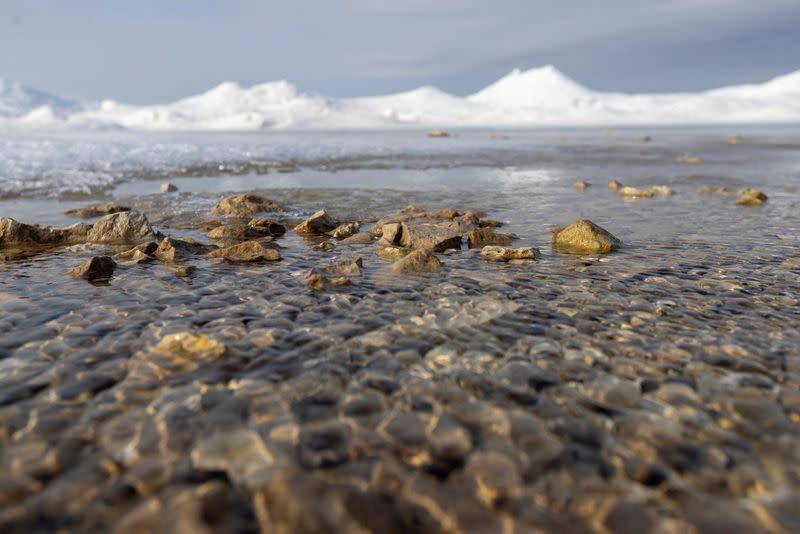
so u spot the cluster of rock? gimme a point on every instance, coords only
(745, 197)
(409, 238)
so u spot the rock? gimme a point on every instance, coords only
(413, 214)
(688, 159)
(487, 236)
(489, 223)
(790, 189)
(345, 267)
(240, 453)
(247, 252)
(139, 254)
(325, 246)
(335, 273)
(733, 140)
(125, 226)
(492, 253)
(393, 253)
(237, 233)
(275, 228)
(246, 205)
(662, 190)
(438, 133)
(318, 281)
(188, 345)
(318, 224)
(96, 210)
(581, 186)
(345, 230)
(361, 238)
(97, 268)
(437, 237)
(614, 185)
(584, 237)
(418, 261)
(633, 192)
(751, 197)
(178, 249)
(645, 139)
(168, 188)
(14, 233)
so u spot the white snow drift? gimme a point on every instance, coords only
(542, 96)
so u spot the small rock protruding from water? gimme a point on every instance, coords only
(645, 139)
(247, 252)
(613, 185)
(246, 205)
(688, 159)
(393, 253)
(97, 268)
(581, 185)
(488, 236)
(125, 226)
(96, 210)
(492, 253)
(733, 140)
(359, 238)
(438, 133)
(168, 187)
(751, 197)
(634, 192)
(418, 261)
(584, 237)
(345, 230)
(319, 223)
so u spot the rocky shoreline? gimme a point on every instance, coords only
(428, 370)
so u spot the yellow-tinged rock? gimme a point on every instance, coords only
(584, 237)
(189, 345)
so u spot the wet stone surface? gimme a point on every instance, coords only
(653, 389)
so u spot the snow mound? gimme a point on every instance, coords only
(535, 97)
(17, 100)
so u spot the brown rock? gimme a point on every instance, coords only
(97, 268)
(345, 230)
(413, 214)
(141, 253)
(275, 228)
(584, 237)
(237, 233)
(634, 192)
(581, 186)
(393, 253)
(614, 185)
(171, 250)
(507, 254)
(688, 159)
(246, 205)
(436, 237)
(645, 139)
(418, 261)
(489, 223)
(126, 226)
(438, 133)
(318, 224)
(361, 238)
(15, 233)
(96, 210)
(751, 197)
(247, 252)
(487, 236)
(717, 190)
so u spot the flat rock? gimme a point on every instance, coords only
(393, 253)
(172, 250)
(247, 252)
(493, 253)
(246, 205)
(126, 226)
(96, 210)
(634, 192)
(489, 223)
(751, 197)
(318, 224)
(416, 215)
(584, 237)
(488, 236)
(417, 261)
(97, 268)
(237, 233)
(361, 238)
(13, 232)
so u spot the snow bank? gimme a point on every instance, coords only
(542, 96)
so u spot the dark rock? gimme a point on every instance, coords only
(488, 236)
(96, 210)
(97, 268)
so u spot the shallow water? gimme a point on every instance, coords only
(656, 388)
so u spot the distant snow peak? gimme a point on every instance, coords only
(533, 97)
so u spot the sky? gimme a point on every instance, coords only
(151, 51)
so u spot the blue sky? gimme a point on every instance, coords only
(148, 51)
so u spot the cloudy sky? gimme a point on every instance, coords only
(147, 51)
